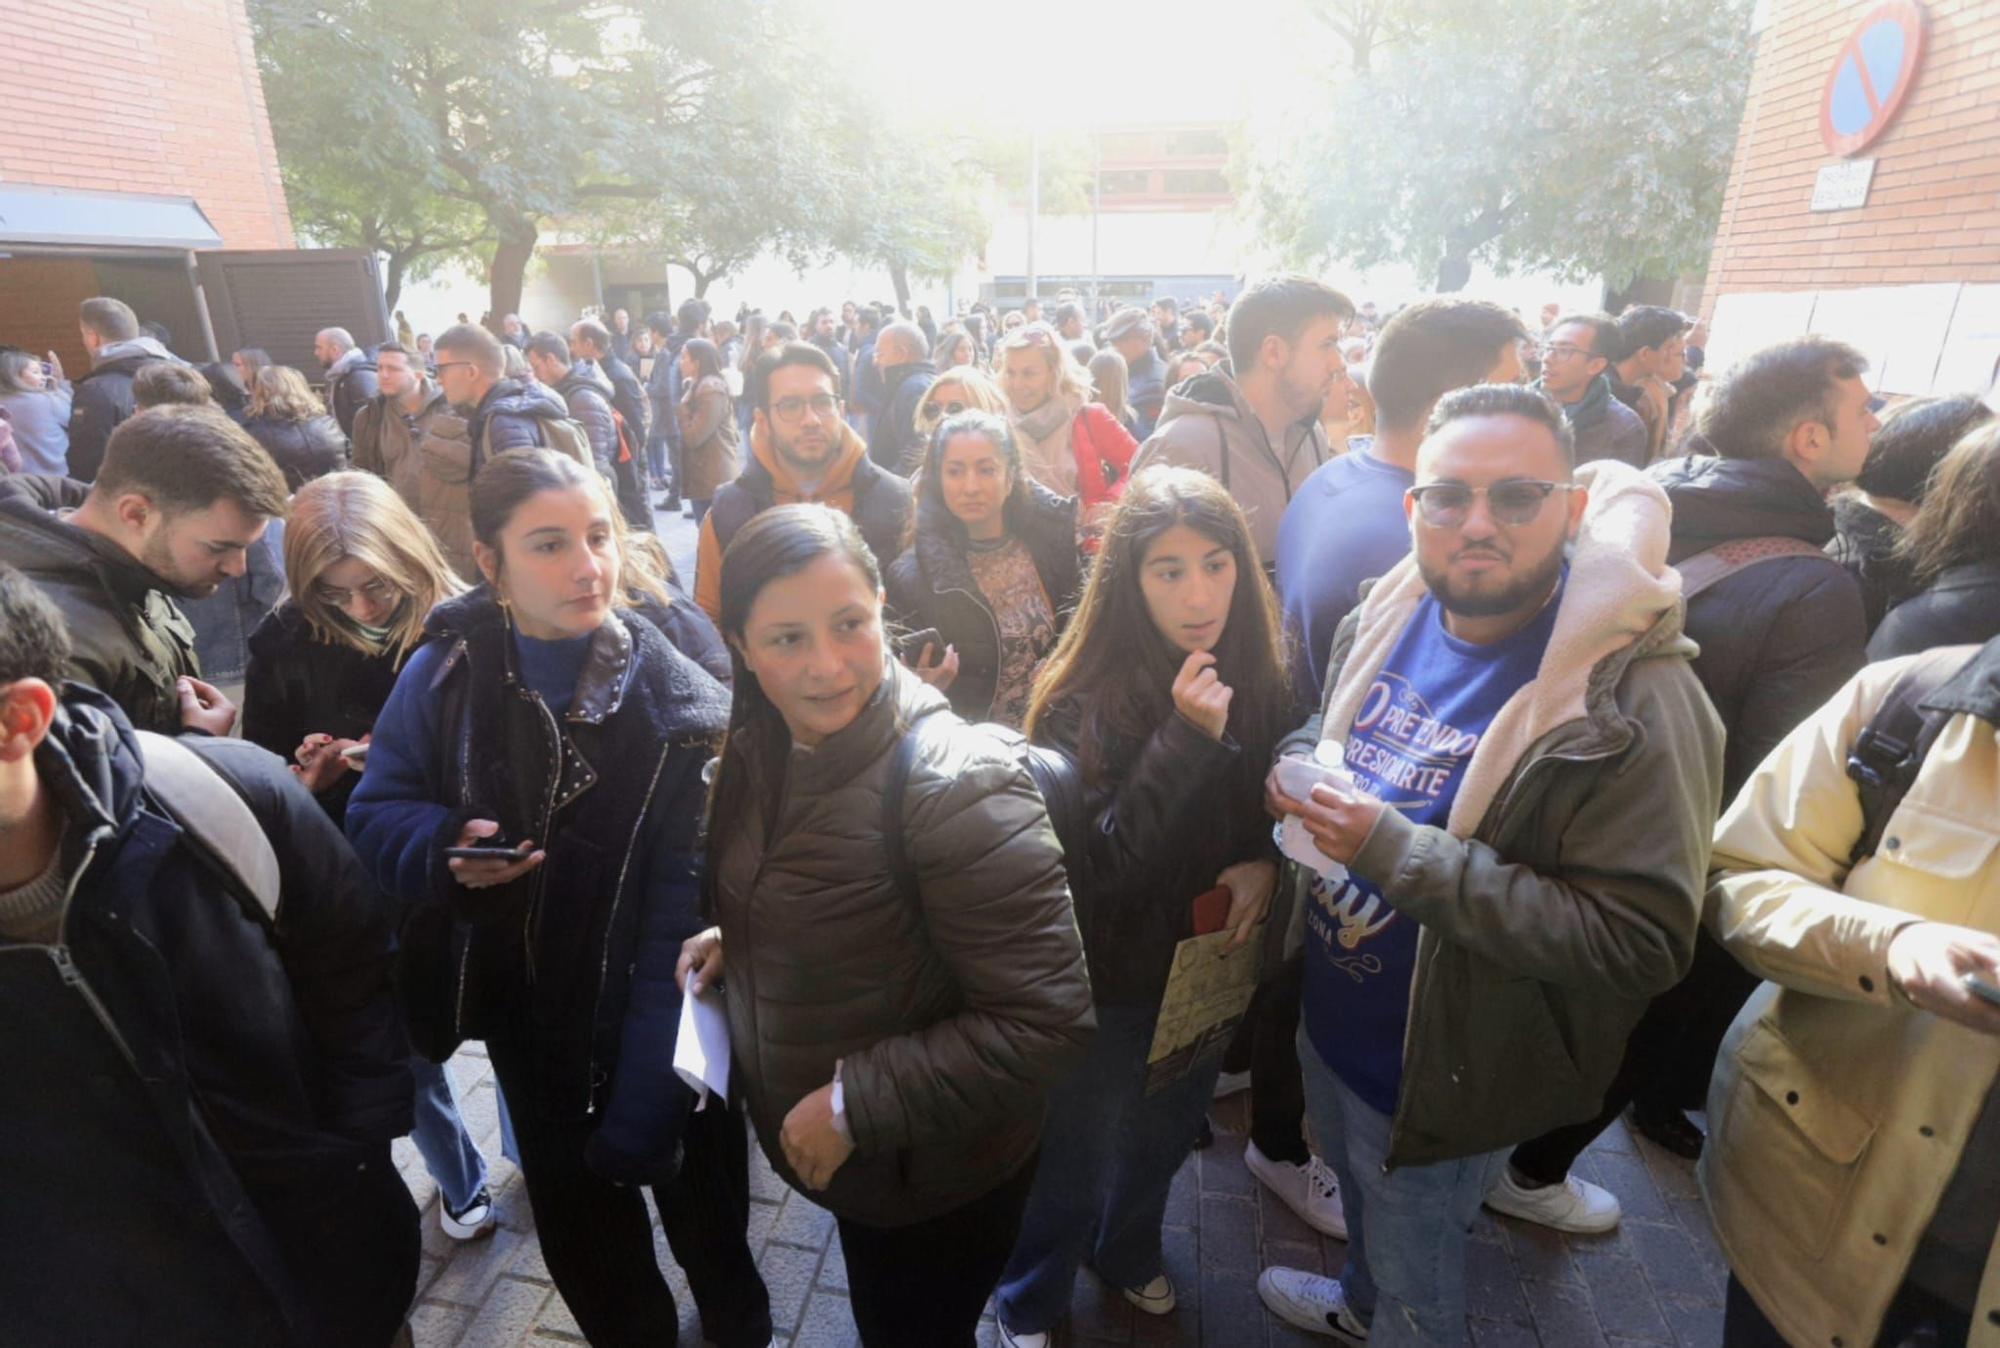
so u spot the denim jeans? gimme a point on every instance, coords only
(1407, 1227)
(1108, 1158)
(449, 1152)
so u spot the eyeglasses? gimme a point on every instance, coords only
(1445, 505)
(444, 365)
(939, 411)
(823, 405)
(377, 591)
(1564, 350)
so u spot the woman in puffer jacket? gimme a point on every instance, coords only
(903, 975)
(288, 420)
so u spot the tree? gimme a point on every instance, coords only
(1528, 134)
(917, 205)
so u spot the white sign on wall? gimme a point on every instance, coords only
(1843, 186)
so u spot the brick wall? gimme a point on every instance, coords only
(1933, 213)
(157, 96)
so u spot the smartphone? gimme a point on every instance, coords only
(48, 373)
(485, 853)
(1983, 987)
(910, 649)
(355, 754)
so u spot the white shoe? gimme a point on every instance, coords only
(1009, 1339)
(1310, 1302)
(1155, 1298)
(1309, 1190)
(1574, 1205)
(1231, 1083)
(472, 1221)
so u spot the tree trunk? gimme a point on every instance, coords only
(510, 266)
(1454, 271)
(899, 276)
(392, 281)
(702, 280)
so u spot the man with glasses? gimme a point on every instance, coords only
(800, 451)
(1575, 356)
(1515, 859)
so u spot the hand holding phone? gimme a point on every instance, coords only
(481, 859)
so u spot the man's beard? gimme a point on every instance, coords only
(158, 558)
(1518, 594)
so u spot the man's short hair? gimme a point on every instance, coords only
(391, 349)
(1431, 348)
(693, 313)
(869, 317)
(1753, 409)
(112, 320)
(188, 458)
(660, 322)
(1911, 441)
(342, 339)
(1198, 321)
(474, 343)
(1648, 325)
(1067, 310)
(1604, 335)
(161, 383)
(1130, 321)
(34, 644)
(550, 345)
(1506, 400)
(1169, 303)
(782, 355)
(1279, 306)
(592, 331)
(907, 338)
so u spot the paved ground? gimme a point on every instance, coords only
(1657, 1280)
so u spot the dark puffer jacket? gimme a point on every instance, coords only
(1779, 638)
(1960, 608)
(128, 638)
(931, 585)
(591, 409)
(103, 400)
(953, 1011)
(1864, 541)
(304, 449)
(510, 416)
(199, 1100)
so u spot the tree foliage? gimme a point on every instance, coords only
(1527, 134)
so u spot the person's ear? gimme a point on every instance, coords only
(488, 561)
(27, 707)
(1808, 441)
(1579, 501)
(1274, 352)
(134, 510)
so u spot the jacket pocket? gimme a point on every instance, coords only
(1939, 846)
(1794, 1146)
(447, 457)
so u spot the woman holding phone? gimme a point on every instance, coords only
(533, 793)
(1169, 690)
(894, 1028)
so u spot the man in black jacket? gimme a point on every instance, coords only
(350, 375)
(204, 1065)
(118, 347)
(907, 374)
(1781, 628)
(590, 341)
(589, 407)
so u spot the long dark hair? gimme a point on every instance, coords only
(932, 512)
(776, 543)
(1114, 666)
(707, 359)
(1959, 522)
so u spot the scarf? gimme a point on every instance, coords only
(1045, 446)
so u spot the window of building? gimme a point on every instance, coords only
(1196, 183)
(1126, 182)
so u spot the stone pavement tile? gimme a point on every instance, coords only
(1563, 1317)
(803, 1222)
(1501, 1334)
(557, 1319)
(764, 1181)
(1623, 1300)
(763, 1220)
(435, 1325)
(1276, 1220)
(1492, 1288)
(1293, 1254)
(1696, 1324)
(1228, 1234)
(833, 1267)
(828, 1323)
(1181, 1198)
(1672, 1265)
(1539, 1253)
(1222, 1169)
(470, 1274)
(788, 1274)
(1631, 1180)
(1182, 1329)
(1180, 1254)
(1700, 1227)
(1616, 1137)
(1232, 1315)
(507, 1314)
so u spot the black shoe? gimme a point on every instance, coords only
(1671, 1130)
(670, 504)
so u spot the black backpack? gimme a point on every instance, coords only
(1055, 775)
(1886, 756)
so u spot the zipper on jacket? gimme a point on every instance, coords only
(531, 919)
(72, 976)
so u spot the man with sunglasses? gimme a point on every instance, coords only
(1517, 859)
(1575, 357)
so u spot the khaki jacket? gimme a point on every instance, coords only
(430, 467)
(1838, 1111)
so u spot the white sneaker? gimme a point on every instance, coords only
(1309, 1190)
(1009, 1339)
(1310, 1302)
(1574, 1205)
(1231, 1083)
(1155, 1298)
(472, 1221)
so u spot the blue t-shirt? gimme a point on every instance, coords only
(1414, 734)
(1343, 527)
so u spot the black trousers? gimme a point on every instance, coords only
(1277, 1092)
(598, 1240)
(1915, 1318)
(1668, 1060)
(924, 1285)
(348, 1235)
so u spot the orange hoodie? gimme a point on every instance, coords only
(837, 490)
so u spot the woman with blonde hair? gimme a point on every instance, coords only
(965, 388)
(288, 419)
(1069, 443)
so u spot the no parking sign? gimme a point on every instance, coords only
(1872, 76)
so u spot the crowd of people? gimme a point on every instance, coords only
(1560, 728)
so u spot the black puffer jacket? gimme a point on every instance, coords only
(931, 585)
(591, 409)
(127, 635)
(1779, 638)
(510, 416)
(1960, 608)
(1864, 541)
(952, 1010)
(298, 685)
(190, 1086)
(304, 449)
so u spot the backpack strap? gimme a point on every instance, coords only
(205, 805)
(1886, 756)
(1704, 569)
(901, 760)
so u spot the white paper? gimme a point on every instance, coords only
(701, 1048)
(1297, 777)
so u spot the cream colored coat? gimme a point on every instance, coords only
(1838, 1111)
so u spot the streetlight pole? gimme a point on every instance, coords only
(1096, 210)
(1034, 200)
